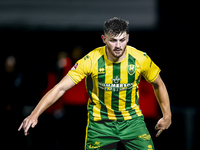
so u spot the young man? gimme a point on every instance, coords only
(113, 74)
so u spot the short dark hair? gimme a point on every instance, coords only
(116, 26)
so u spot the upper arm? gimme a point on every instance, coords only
(157, 82)
(150, 71)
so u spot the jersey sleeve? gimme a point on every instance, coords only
(150, 70)
(81, 69)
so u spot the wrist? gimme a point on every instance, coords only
(34, 114)
(167, 116)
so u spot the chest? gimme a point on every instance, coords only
(116, 76)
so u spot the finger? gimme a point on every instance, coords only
(26, 122)
(25, 133)
(159, 132)
(20, 127)
(27, 127)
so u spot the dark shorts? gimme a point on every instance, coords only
(104, 135)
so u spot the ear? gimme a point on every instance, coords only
(127, 37)
(103, 38)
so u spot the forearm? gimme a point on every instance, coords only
(53, 95)
(163, 99)
(49, 98)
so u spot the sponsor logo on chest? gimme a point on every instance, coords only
(116, 85)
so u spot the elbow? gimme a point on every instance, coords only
(60, 90)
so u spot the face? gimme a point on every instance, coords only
(116, 45)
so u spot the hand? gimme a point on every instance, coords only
(162, 125)
(29, 121)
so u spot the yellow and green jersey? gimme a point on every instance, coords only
(113, 87)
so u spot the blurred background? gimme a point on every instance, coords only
(41, 40)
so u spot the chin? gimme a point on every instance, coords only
(118, 54)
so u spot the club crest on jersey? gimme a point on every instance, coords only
(131, 69)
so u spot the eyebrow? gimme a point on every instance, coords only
(116, 39)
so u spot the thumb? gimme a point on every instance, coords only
(157, 127)
(34, 124)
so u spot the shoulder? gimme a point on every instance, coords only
(95, 54)
(90, 59)
(99, 51)
(140, 56)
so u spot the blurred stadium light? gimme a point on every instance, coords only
(77, 14)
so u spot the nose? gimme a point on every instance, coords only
(117, 45)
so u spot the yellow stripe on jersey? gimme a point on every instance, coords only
(122, 94)
(108, 94)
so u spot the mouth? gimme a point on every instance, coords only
(117, 50)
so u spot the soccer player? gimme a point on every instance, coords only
(112, 76)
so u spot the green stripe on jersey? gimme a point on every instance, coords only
(89, 90)
(115, 92)
(136, 96)
(101, 79)
(131, 78)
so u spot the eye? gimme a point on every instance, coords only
(122, 40)
(113, 40)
